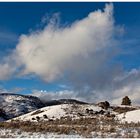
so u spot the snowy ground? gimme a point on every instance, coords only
(131, 116)
(121, 133)
(9, 133)
(57, 125)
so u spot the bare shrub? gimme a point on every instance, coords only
(38, 118)
(45, 116)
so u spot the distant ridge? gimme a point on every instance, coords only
(16, 104)
(63, 101)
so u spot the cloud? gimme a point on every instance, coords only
(9, 66)
(69, 49)
(125, 85)
(63, 94)
(48, 95)
(80, 54)
(5, 71)
(63, 86)
(12, 90)
(56, 52)
(131, 91)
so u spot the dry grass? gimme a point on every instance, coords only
(82, 126)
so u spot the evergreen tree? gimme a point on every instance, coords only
(126, 101)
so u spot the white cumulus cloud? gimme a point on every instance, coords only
(54, 51)
(79, 54)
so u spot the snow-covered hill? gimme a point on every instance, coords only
(25, 108)
(131, 116)
(14, 105)
(74, 120)
(59, 111)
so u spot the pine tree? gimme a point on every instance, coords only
(126, 101)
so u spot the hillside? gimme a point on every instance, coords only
(73, 111)
(27, 116)
(73, 120)
(63, 101)
(131, 116)
(14, 105)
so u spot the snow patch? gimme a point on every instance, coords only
(131, 116)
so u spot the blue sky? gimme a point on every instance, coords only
(23, 18)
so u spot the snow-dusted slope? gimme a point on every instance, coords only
(58, 111)
(131, 116)
(15, 105)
